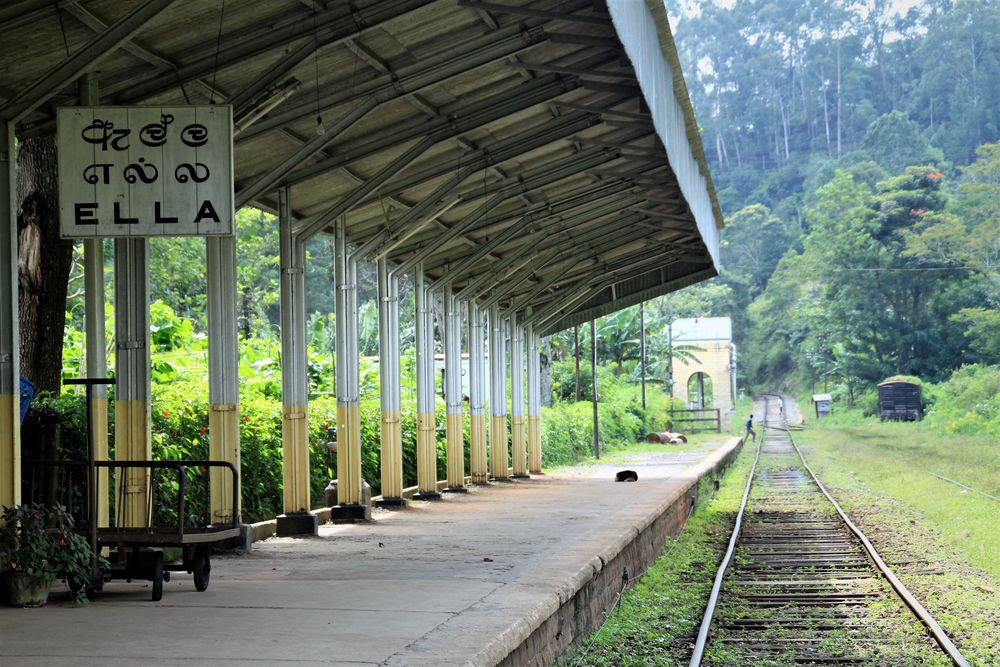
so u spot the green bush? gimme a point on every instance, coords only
(968, 402)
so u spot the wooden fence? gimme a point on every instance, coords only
(695, 422)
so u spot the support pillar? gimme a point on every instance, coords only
(534, 402)
(350, 505)
(223, 375)
(454, 426)
(96, 334)
(518, 449)
(133, 439)
(498, 398)
(294, 379)
(477, 398)
(10, 399)
(426, 445)
(391, 444)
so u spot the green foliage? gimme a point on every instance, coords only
(968, 402)
(40, 541)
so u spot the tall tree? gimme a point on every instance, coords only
(43, 264)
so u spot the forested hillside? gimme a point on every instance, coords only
(853, 147)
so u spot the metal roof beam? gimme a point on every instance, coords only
(500, 151)
(473, 116)
(17, 12)
(267, 181)
(141, 52)
(604, 112)
(529, 224)
(83, 60)
(575, 71)
(567, 265)
(493, 109)
(530, 180)
(330, 26)
(411, 78)
(564, 15)
(512, 262)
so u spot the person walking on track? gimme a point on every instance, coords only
(752, 434)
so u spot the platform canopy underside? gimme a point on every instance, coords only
(507, 146)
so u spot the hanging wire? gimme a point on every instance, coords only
(218, 48)
(62, 27)
(319, 117)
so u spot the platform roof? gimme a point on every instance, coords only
(538, 154)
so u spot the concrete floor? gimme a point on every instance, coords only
(447, 583)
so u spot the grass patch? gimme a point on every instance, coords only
(659, 615)
(941, 541)
(896, 459)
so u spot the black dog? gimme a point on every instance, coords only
(627, 476)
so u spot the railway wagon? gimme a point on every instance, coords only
(899, 400)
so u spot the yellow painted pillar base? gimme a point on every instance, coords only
(477, 454)
(223, 445)
(426, 454)
(391, 456)
(295, 456)
(455, 450)
(518, 451)
(535, 445)
(498, 447)
(132, 443)
(99, 410)
(10, 450)
(348, 455)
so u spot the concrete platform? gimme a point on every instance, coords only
(511, 574)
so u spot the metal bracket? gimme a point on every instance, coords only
(131, 345)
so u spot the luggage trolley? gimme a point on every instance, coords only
(136, 552)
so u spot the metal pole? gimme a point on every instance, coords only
(426, 446)
(10, 388)
(518, 449)
(642, 349)
(576, 356)
(133, 436)
(498, 398)
(391, 453)
(534, 402)
(593, 379)
(477, 397)
(294, 378)
(223, 374)
(349, 480)
(455, 437)
(670, 353)
(95, 331)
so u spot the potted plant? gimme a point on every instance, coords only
(38, 546)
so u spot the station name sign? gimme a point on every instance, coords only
(145, 171)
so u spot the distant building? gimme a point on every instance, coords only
(709, 382)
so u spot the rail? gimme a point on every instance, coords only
(898, 587)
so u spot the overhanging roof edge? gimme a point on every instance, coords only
(585, 315)
(644, 32)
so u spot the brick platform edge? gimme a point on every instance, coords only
(586, 608)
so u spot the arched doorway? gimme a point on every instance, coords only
(699, 390)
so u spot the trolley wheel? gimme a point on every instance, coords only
(157, 572)
(201, 567)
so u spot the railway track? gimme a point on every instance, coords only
(800, 584)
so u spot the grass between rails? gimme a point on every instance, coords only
(658, 617)
(942, 542)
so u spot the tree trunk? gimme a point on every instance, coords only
(545, 371)
(43, 264)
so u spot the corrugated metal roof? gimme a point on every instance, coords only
(507, 146)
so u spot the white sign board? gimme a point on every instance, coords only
(145, 171)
